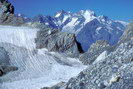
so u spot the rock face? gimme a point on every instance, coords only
(7, 16)
(6, 11)
(6, 8)
(54, 40)
(46, 20)
(128, 34)
(100, 28)
(4, 69)
(113, 72)
(95, 50)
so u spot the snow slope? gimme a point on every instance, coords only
(20, 36)
(36, 68)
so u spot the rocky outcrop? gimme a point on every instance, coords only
(7, 16)
(6, 7)
(4, 69)
(114, 72)
(6, 11)
(128, 34)
(54, 40)
(95, 50)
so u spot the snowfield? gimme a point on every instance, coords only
(20, 36)
(37, 68)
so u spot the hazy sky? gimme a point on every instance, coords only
(114, 9)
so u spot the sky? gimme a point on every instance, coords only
(114, 9)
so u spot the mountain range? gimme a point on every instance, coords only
(86, 25)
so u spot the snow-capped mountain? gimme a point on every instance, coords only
(100, 28)
(74, 22)
(87, 26)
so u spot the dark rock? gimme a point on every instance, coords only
(1, 73)
(4, 69)
(7, 16)
(54, 40)
(6, 10)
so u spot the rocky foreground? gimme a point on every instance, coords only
(115, 71)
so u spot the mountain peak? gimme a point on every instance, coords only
(87, 12)
(60, 13)
(84, 13)
(104, 18)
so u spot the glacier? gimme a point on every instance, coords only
(37, 68)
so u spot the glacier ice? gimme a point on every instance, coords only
(37, 68)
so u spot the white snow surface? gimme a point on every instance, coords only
(65, 18)
(102, 56)
(88, 15)
(36, 68)
(20, 36)
(57, 15)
